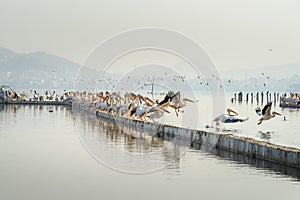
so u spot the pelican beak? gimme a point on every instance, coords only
(105, 98)
(165, 105)
(172, 106)
(231, 111)
(276, 113)
(132, 96)
(188, 100)
(147, 99)
(145, 114)
(165, 110)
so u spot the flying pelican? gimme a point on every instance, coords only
(266, 113)
(177, 102)
(229, 117)
(157, 111)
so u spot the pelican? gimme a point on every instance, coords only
(143, 105)
(266, 113)
(229, 117)
(124, 110)
(177, 102)
(103, 105)
(129, 97)
(35, 96)
(128, 106)
(156, 112)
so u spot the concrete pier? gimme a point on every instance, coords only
(209, 140)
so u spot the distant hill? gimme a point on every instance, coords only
(37, 70)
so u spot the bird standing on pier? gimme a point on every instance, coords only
(265, 113)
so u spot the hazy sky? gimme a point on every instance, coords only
(235, 33)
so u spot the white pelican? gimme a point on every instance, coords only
(129, 97)
(143, 105)
(103, 105)
(229, 117)
(156, 112)
(266, 113)
(124, 110)
(177, 102)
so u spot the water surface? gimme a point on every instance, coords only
(43, 156)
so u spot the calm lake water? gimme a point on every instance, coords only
(69, 154)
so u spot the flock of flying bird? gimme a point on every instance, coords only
(143, 108)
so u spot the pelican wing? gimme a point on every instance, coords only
(165, 100)
(267, 109)
(176, 98)
(150, 100)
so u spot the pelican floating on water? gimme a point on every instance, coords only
(266, 113)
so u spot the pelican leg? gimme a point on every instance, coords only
(259, 122)
(175, 108)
